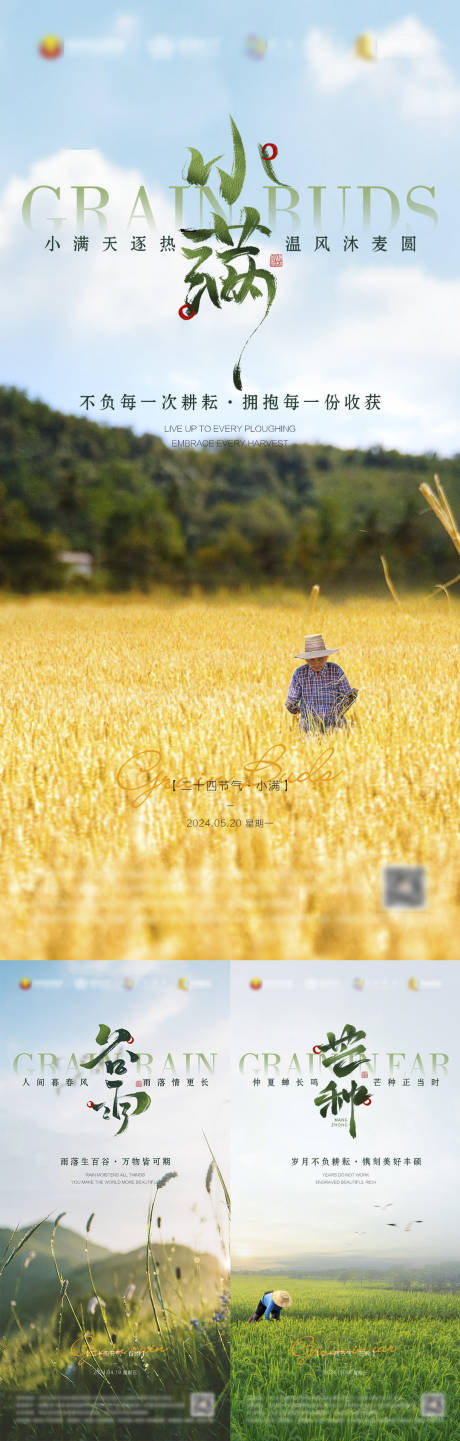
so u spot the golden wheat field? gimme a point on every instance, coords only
(88, 683)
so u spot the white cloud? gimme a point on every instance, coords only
(99, 297)
(115, 43)
(395, 333)
(410, 70)
(88, 281)
(333, 66)
(113, 317)
(104, 294)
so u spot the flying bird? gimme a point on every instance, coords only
(383, 1208)
(360, 1233)
(406, 1228)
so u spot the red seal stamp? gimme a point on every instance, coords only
(269, 150)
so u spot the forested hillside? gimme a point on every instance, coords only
(238, 516)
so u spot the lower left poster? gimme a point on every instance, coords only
(114, 1225)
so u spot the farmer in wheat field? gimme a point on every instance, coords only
(270, 1306)
(319, 690)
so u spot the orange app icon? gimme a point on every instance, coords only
(51, 47)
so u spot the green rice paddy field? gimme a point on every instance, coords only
(281, 1388)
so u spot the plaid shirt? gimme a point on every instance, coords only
(317, 695)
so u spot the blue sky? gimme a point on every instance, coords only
(133, 89)
(290, 1214)
(297, 1003)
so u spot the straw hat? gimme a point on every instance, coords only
(282, 1298)
(314, 648)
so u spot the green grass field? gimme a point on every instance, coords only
(280, 1389)
(105, 1344)
(130, 1368)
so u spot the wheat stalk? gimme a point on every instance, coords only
(389, 581)
(440, 504)
(441, 507)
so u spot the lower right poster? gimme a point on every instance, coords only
(345, 1180)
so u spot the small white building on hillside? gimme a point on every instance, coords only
(78, 562)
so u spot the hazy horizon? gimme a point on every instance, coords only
(157, 1240)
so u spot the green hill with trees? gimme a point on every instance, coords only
(31, 1277)
(146, 515)
(30, 1280)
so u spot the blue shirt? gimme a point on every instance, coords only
(270, 1308)
(317, 695)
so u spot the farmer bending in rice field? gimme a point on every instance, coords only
(270, 1306)
(319, 690)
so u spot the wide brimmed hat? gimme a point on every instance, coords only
(282, 1298)
(315, 648)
